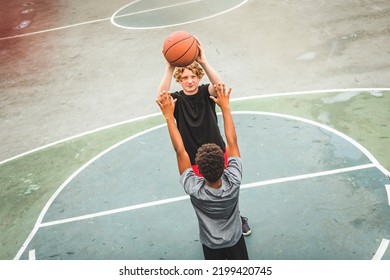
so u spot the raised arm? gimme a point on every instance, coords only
(209, 70)
(165, 84)
(167, 106)
(222, 101)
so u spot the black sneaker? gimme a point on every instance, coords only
(246, 230)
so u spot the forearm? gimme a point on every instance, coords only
(165, 84)
(183, 160)
(222, 100)
(212, 75)
(174, 134)
(230, 131)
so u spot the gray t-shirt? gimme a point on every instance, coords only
(217, 209)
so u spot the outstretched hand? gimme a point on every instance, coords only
(166, 103)
(223, 96)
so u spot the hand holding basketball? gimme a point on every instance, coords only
(201, 58)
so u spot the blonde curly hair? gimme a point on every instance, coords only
(194, 67)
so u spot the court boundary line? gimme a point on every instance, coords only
(119, 26)
(388, 191)
(328, 128)
(157, 114)
(53, 29)
(184, 197)
(66, 182)
(32, 255)
(377, 256)
(171, 25)
(381, 249)
(38, 223)
(149, 10)
(78, 136)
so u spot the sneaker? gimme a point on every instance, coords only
(246, 230)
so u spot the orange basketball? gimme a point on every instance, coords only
(180, 48)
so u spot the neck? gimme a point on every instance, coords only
(190, 92)
(214, 185)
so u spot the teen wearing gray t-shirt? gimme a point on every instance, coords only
(215, 195)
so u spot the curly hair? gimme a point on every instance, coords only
(210, 161)
(194, 67)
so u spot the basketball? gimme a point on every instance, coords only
(180, 48)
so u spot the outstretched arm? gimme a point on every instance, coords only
(222, 101)
(167, 106)
(209, 70)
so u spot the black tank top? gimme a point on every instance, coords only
(197, 120)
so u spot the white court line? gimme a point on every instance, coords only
(381, 250)
(308, 176)
(157, 114)
(44, 210)
(388, 192)
(175, 199)
(31, 255)
(54, 29)
(281, 94)
(151, 10)
(378, 255)
(176, 24)
(111, 19)
(114, 211)
(53, 197)
(78, 136)
(325, 127)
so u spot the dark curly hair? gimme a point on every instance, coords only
(211, 162)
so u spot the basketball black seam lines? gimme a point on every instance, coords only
(185, 51)
(176, 43)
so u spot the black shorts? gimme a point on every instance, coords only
(236, 252)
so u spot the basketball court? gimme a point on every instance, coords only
(88, 168)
